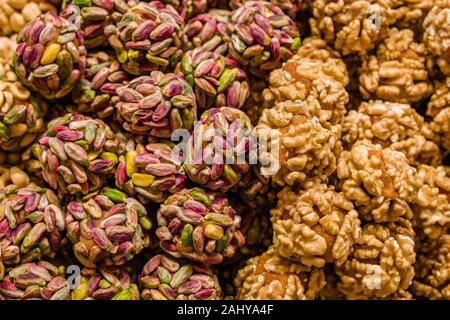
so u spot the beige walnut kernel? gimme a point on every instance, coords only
(272, 277)
(439, 128)
(437, 34)
(390, 124)
(353, 26)
(316, 71)
(432, 280)
(316, 226)
(380, 182)
(381, 265)
(440, 99)
(306, 146)
(397, 72)
(432, 207)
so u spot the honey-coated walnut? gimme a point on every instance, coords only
(380, 182)
(432, 207)
(306, 146)
(315, 226)
(397, 72)
(381, 265)
(272, 277)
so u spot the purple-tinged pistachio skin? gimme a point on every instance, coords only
(74, 154)
(217, 81)
(31, 225)
(219, 163)
(166, 278)
(149, 171)
(106, 283)
(35, 281)
(107, 229)
(97, 92)
(156, 105)
(50, 57)
(206, 229)
(148, 37)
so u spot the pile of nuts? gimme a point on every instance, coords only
(206, 150)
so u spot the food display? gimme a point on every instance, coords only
(224, 150)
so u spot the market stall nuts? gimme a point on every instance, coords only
(381, 264)
(439, 128)
(166, 278)
(390, 124)
(21, 117)
(272, 277)
(7, 47)
(105, 283)
(31, 224)
(314, 71)
(397, 72)
(348, 24)
(436, 34)
(107, 229)
(440, 99)
(35, 281)
(13, 175)
(314, 226)
(432, 206)
(15, 14)
(306, 146)
(380, 182)
(432, 280)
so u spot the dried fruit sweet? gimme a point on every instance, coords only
(217, 81)
(272, 277)
(397, 72)
(199, 226)
(208, 31)
(290, 7)
(156, 105)
(97, 92)
(356, 26)
(300, 145)
(381, 264)
(165, 278)
(50, 57)
(31, 224)
(74, 154)
(380, 182)
(94, 17)
(149, 171)
(218, 150)
(106, 283)
(261, 37)
(315, 226)
(393, 125)
(191, 8)
(316, 71)
(35, 281)
(148, 37)
(107, 229)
